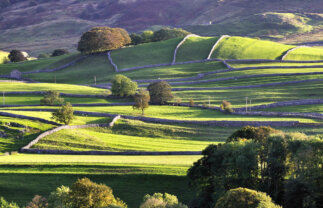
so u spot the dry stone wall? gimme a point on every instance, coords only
(115, 67)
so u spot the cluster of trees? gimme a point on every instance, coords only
(65, 114)
(159, 35)
(288, 167)
(87, 194)
(157, 92)
(17, 56)
(56, 52)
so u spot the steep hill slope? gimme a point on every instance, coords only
(42, 25)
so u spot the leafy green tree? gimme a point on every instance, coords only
(16, 56)
(169, 33)
(245, 198)
(100, 39)
(224, 167)
(65, 114)
(159, 200)
(51, 98)
(147, 36)
(141, 100)
(160, 92)
(226, 106)
(38, 202)
(135, 39)
(59, 198)
(59, 52)
(86, 194)
(5, 204)
(123, 86)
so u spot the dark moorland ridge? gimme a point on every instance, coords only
(37, 25)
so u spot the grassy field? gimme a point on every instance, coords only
(145, 54)
(46, 63)
(306, 53)
(195, 48)
(247, 48)
(128, 135)
(63, 88)
(130, 177)
(19, 136)
(299, 108)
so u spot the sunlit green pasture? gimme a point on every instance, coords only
(306, 53)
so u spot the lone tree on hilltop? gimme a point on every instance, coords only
(65, 114)
(100, 39)
(51, 97)
(59, 52)
(85, 193)
(245, 198)
(160, 92)
(123, 86)
(17, 56)
(141, 101)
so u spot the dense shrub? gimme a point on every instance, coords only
(51, 98)
(159, 200)
(59, 52)
(84, 194)
(169, 33)
(245, 198)
(17, 56)
(191, 103)
(123, 86)
(5, 204)
(65, 114)
(59, 198)
(100, 39)
(160, 92)
(226, 106)
(38, 202)
(254, 133)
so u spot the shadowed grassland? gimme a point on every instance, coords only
(195, 48)
(96, 66)
(130, 177)
(299, 108)
(19, 136)
(247, 48)
(306, 53)
(265, 95)
(46, 63)
(145, 54)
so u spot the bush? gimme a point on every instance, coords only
(258, 134)
(135, 39)
(245, 198)
(100, 39)
(5, 204)
(226, 106)
(59, 198)
(160, 92)
(169, 33)
(65, 114)
(38, 202)
(123, 86)
(85, 193)
(159, 200)
(17, 56)
(191, 103)
(59, 52)
(51, 98)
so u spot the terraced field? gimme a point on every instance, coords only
(285, 94)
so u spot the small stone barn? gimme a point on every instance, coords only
(15, 74)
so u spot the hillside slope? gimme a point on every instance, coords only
(42, 25)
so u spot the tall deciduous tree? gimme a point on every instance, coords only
(141, 101)
(100, 39)
(160, 92)
(123, 86)
(17, 56)
(51, 98)
(65, 114)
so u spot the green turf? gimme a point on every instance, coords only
(247, 48)
(305, 53)
(260, 64)
(128, 135)
(195, 48)
(145, 54)
(46, 63)
(63, 88)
